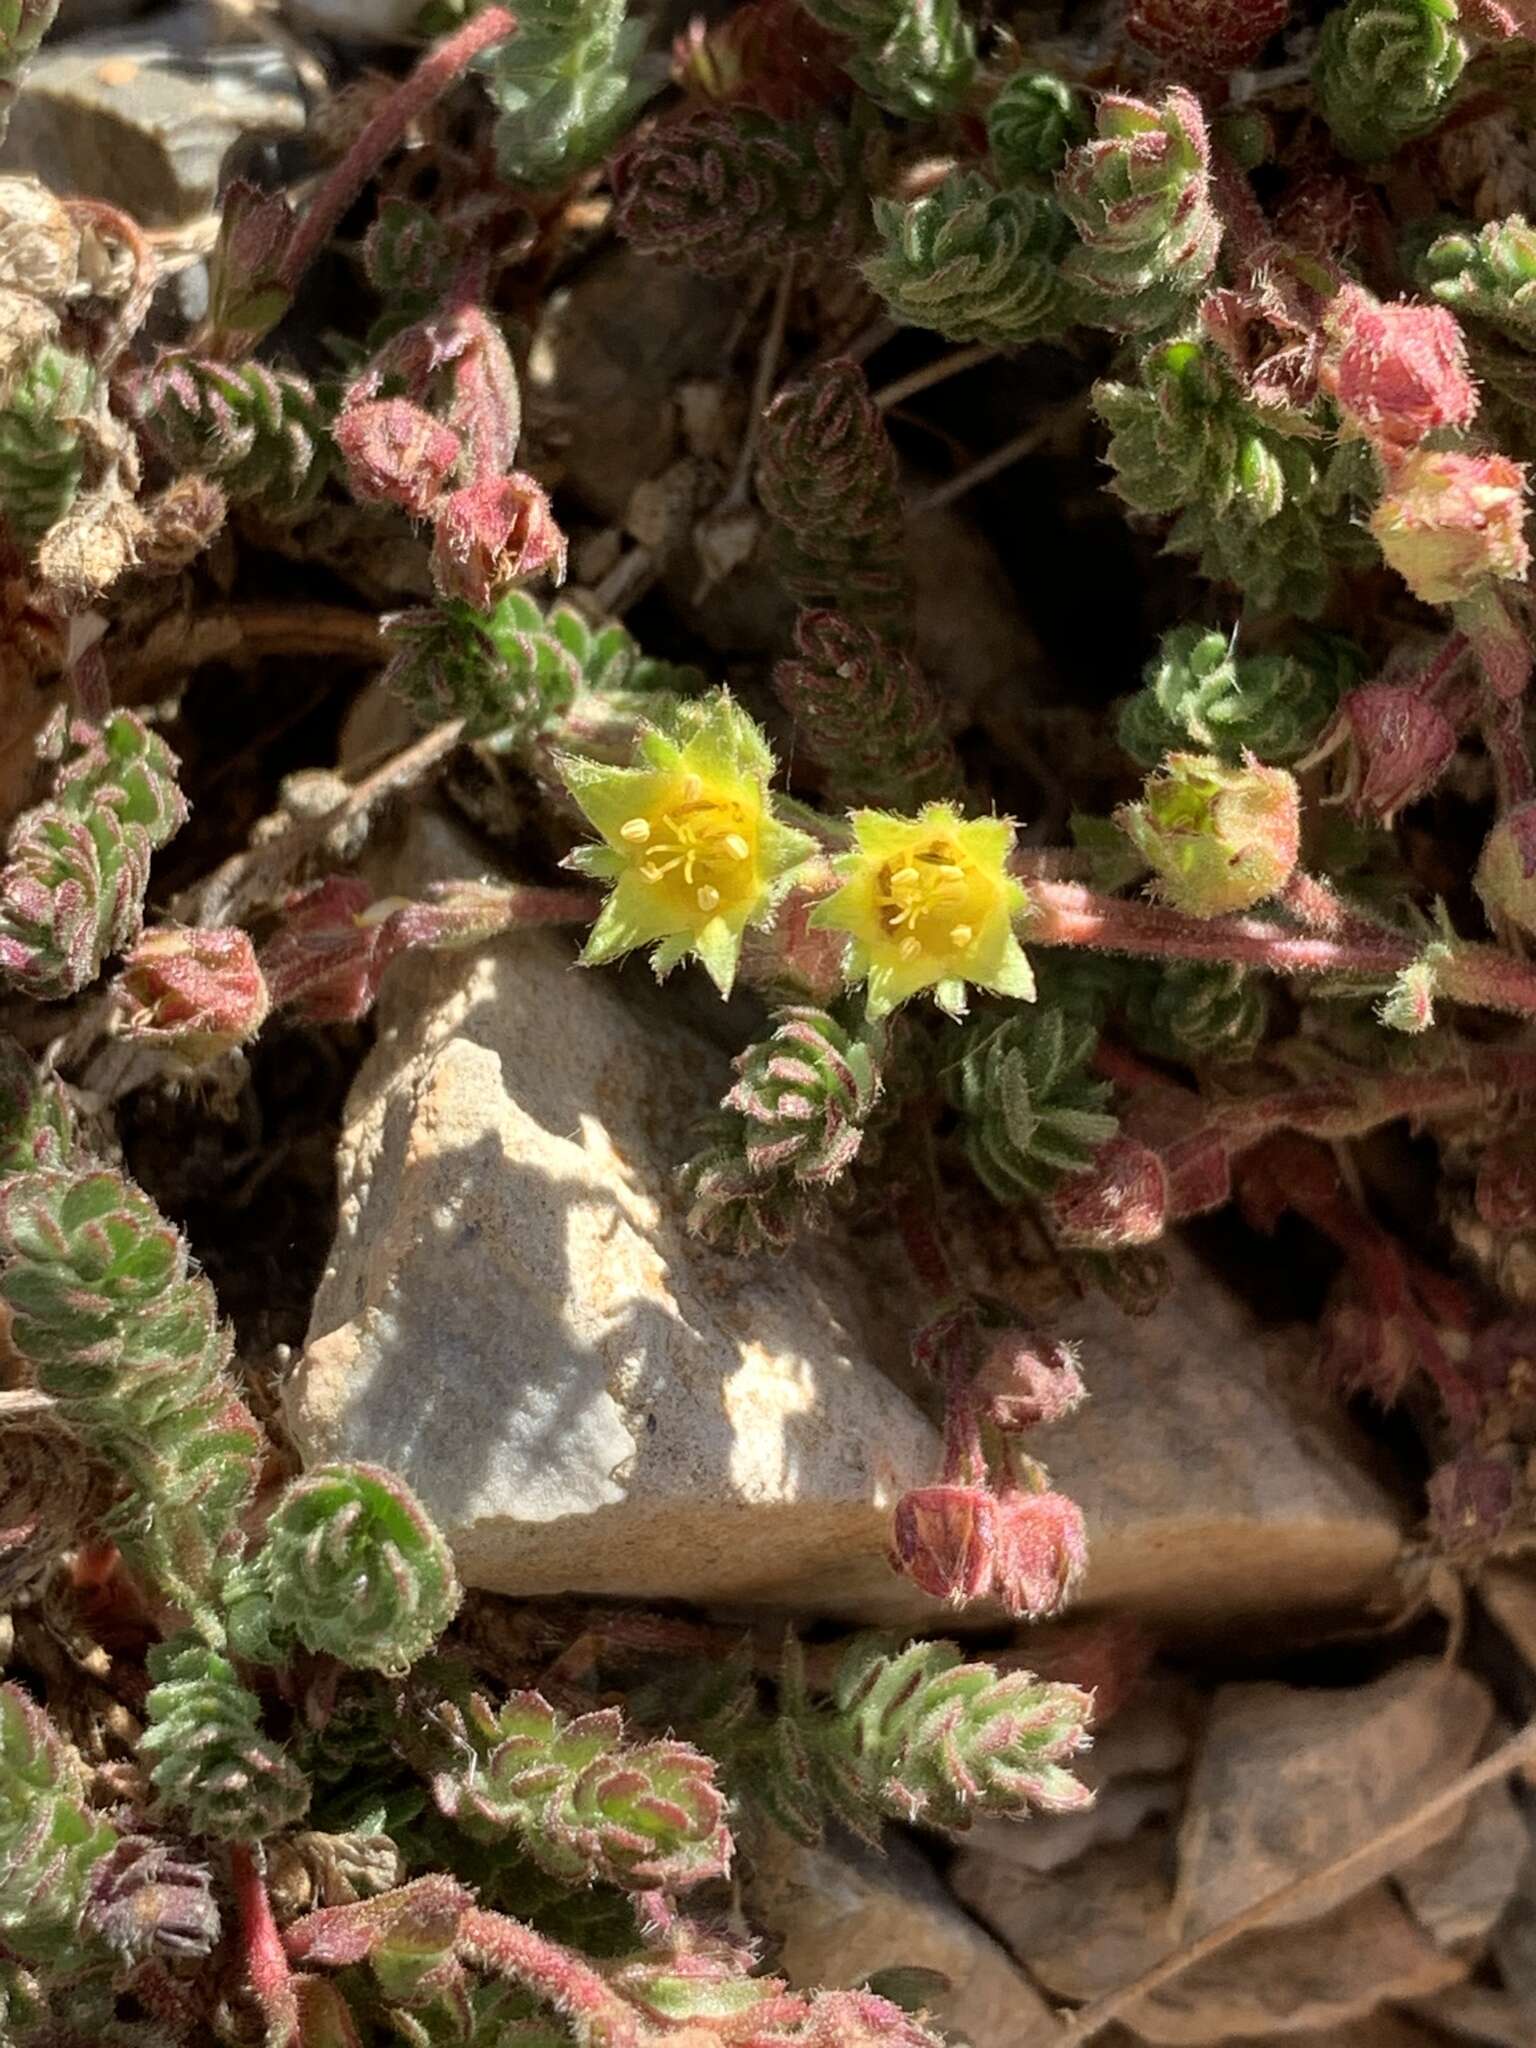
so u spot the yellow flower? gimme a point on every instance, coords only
(689, 840)
(929, 903)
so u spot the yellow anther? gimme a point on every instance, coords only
(910, 948)
(635, 830)
(904, 878)
(736, 846)
(708, 898)
(961, 936)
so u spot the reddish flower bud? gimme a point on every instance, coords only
(1026, 1381)
(1220, 838)
(1448, 522)
(198, 991)
(246, 295)
(492, 534)
(1506, 869)
(1398, 371)
(944, 1538)
(1042, 1552)
(1506, 1181)
(1122, 1199)
(1472, 1501)
(322, 962)
(1206, 35)
(1403, 745)
(396, 453)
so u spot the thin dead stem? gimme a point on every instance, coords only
(1093, 2019)
(1000, 459)
(762, 385)
(936, 372)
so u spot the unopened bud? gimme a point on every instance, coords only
(490, 535)
(198, 991)
(179, 523)
(396, 454)
(1398, 372)
(1042, 1552)
(320, 963)
(1403, 745)
(1448, 522)
(1026, 1381)
(944, 1539)
(144, 1900)
(1506, 868)
(1219, 838)
(1122, 1199)
(246, 295)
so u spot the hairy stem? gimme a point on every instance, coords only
(437, 72)
(266, 1962)
(507, 1948)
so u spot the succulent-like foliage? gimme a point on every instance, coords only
(1187, 1010)
(353, 1566)
(407, 252)
(585, 1802)
(113, 1324)
(865, 714)
(567, 85)
(42, 452)
(788, 1131)
(728, 190)
(50, 1841)
(1030, 1108)
(515, 671)
(915, 1734)
(973, 263)
(1200, 691)
(1488, 275)
(826, 475)
(1206, 35)
(1385, 71)
(1262, 508)
(1138, 195)
(258, 431)
(212, 1767)
(1034, 121)
(72, 889)
(915, 58)
(37, 1125)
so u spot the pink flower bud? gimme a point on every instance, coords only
(1403, 745)
(944, 1539)
(1506, 869)
(1471, 1501)
(1122, 1199)
(492, 534)
(246, 294)
(198, 991)
(1506, 1181)
(1026, 1381)
(1398, 371)
(1042, 1552)
(322, 962)
(396, 453)
(1220, 838)
(1449, 521)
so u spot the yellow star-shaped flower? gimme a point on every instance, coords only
(689, 840)
(929, 903)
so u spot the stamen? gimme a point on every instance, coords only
(708, 898)
(961, 936)
(736, 846)
(635, 830)
(904, 878)
(910, 948)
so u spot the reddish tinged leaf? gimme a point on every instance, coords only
(1122, 1199)
(396, 454)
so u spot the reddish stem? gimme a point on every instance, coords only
(507, 1948)
(439, 70)
(266, 1963)
(1504, 737)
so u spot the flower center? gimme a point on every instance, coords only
(928, 900)
(701, 849)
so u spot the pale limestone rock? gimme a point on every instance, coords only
(1290, 1779)
(144, 116)
(1215, 1483)
(590, 1402)
(1093, 1927)
(836, 1915)
(514, 1318)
